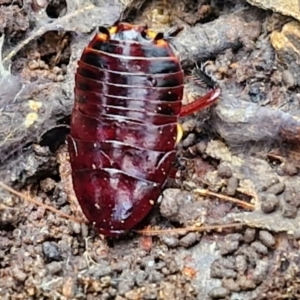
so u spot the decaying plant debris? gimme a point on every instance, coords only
(244, 149)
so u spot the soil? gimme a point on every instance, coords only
(230, 216)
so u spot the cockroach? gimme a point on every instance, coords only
(128, 98)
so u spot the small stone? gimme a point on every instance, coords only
(169, 207)
(170, 240)
(289, 169)
(18, 274)
(201, 147)
(289, 211)
(292, 198)
(189, 140)
(230, 284)
(140, 277)
(230, 243)
(251, 255)
(68, 289)
(241, 264)
(51, 251)
(260, 248)
(154, 276)
(150, 292)
(133, 295)
(260, 272)
(218, 270)
(288, 78)
(245, 283)
(189, 239)
(224, 171)
(47, 185)
(219, 293)
(54, 268)
(267, 238)
(267, 183)
(249, 235)
(269, 203)
(277, 188)
(232, 186)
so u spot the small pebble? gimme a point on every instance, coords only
(124, 287)
(288, 78)
(54, 267)
(250, 253)
(51, 251)
(289, 169)
(69, 286)
(189, 239)
(267, 238)
(277, 188)
(232, 186)
(260, 272)
(269, 203)
(140, 277)
(217, 270)
(241, 264)
(18, 274)
(268, 182)
(228, 247)
(230, 284)
(150, 292)
(260, 248)
(224, 171)
(47, 185)
(292, 198)
(219, 293)
(56, 70)
(289, 211)
(230, 243)
(201, 147)
(169, 207)
(173, 267)
(249, 235)
(189, 140)
(133, 295)
(245, 283)
(170, 240)
(154, 276)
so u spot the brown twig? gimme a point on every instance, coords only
(31, 200)
(189, 229)
(241, 203)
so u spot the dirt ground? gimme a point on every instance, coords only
(230, 215)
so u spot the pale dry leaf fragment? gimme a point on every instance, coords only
(287, 8)
(82, 16)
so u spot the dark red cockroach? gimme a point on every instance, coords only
(128, 92)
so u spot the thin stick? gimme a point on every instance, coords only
(241, 203)
(189, 229)
(31, 200)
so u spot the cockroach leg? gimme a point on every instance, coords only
(200, 103)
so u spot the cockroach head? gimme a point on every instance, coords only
(138, 33)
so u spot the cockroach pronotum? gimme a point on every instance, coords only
(128, 93)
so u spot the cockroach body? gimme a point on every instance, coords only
(128, 92)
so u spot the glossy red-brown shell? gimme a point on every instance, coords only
(128, 92)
